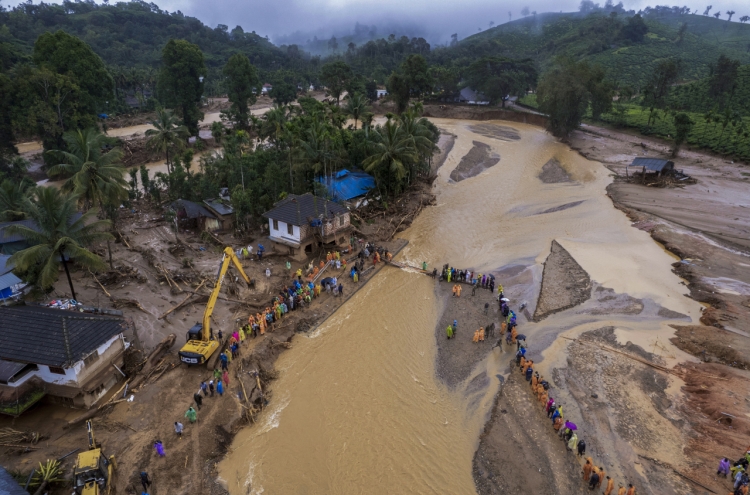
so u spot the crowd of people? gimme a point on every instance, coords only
(594, 476)
(738, 472)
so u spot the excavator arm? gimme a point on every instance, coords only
(228, 256)
(200, 345)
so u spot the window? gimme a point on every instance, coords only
(57, 370)
(275, 225)
(290, 229)
(91, 358)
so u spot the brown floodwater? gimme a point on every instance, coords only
(358, 407)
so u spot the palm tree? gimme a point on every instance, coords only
(416, 129)
(95, 177)
(391, 149)
(12, 195)
(58, 238)
(356, 107)
(168, 133)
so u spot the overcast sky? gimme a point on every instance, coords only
(434, 19)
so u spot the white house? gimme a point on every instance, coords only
(296, 224)
(381, 93)
(266, 88)
(73, 358)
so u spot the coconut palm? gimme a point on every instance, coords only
(391, 150)
(12, 195)
(168, 133)
(58, 237)
(356, 107)
(95, 177)
(418, 130)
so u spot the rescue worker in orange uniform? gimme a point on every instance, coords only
(587, 468)
(610, 486)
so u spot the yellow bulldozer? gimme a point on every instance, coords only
(93, 470)
(201, 343)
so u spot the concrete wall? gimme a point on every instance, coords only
(282, 232)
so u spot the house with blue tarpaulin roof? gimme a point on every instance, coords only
(346, 185)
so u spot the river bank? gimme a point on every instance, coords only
(360, 403)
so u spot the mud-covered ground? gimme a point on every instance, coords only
(129, 429)
(476, 161)
(518, 452)
(457, 357)
(706, 227)
(564, 283)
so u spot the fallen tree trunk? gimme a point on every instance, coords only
(159, 351)
(191, 294)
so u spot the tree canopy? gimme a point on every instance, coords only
(180, 83)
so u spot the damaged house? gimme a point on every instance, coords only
(298, 224)
(72, 358)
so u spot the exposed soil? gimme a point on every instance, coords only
(564, 283)
(471, 112)
(128, 429)
(457, 357)
(622, 410)
(519, 452)
(554, 173)
(477, 160)
(716, 405)
(713, 345)
(706, 227)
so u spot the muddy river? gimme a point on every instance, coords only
(358, 407)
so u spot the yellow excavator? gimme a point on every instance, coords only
(201, 343)
(93, 470)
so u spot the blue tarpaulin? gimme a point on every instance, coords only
(346, 185)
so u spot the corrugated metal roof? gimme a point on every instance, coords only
(5, 267)
(192, 210)
(53, 337)
(653, 164)
(8, 485)
(8, 280)
(298, 210)
(219, 206)
(346, 185)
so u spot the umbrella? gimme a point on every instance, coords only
(571, 426)
(505, 299)
(327, 280)
(520, 337)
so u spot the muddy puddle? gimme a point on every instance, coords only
(358, 407)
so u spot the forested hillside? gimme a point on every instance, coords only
(628, 48)
(132, 33)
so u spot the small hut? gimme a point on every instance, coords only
(659, 166)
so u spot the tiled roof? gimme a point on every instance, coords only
(299, 210)
(53, 337)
